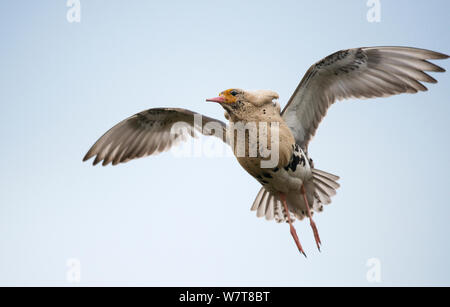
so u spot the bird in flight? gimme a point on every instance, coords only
(292, 188)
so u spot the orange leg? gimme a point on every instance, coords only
(311, 222)
(293, 231)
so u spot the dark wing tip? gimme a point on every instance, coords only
(97, 160)
(442, 56)
(86, 157)
(438, 69)
(433, 55)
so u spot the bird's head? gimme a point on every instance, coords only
(244, 105)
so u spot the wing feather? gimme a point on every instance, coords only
(356, 73)
(147, 133)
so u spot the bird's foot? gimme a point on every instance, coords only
(316, 234)
(311, 221)
(293, 231)
(297, 241)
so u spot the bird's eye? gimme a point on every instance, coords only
(233, 93)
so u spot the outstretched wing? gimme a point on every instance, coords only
(151, 132)
(356, 73)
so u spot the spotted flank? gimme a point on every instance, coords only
(289, 177)
(298, 157)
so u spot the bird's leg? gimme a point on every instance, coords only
(311, 221)
(293, 231)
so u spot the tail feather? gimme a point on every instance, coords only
(267, 204)
(327, 181)
(270, 212)
(321, 189)
(325, 188)
(258, 199)
(325, 174)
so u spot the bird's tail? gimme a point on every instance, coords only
(325, 186)
(269, 205)
(319, 192)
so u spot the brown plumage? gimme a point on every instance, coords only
(291, 187)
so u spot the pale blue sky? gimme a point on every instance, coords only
(186, 221)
